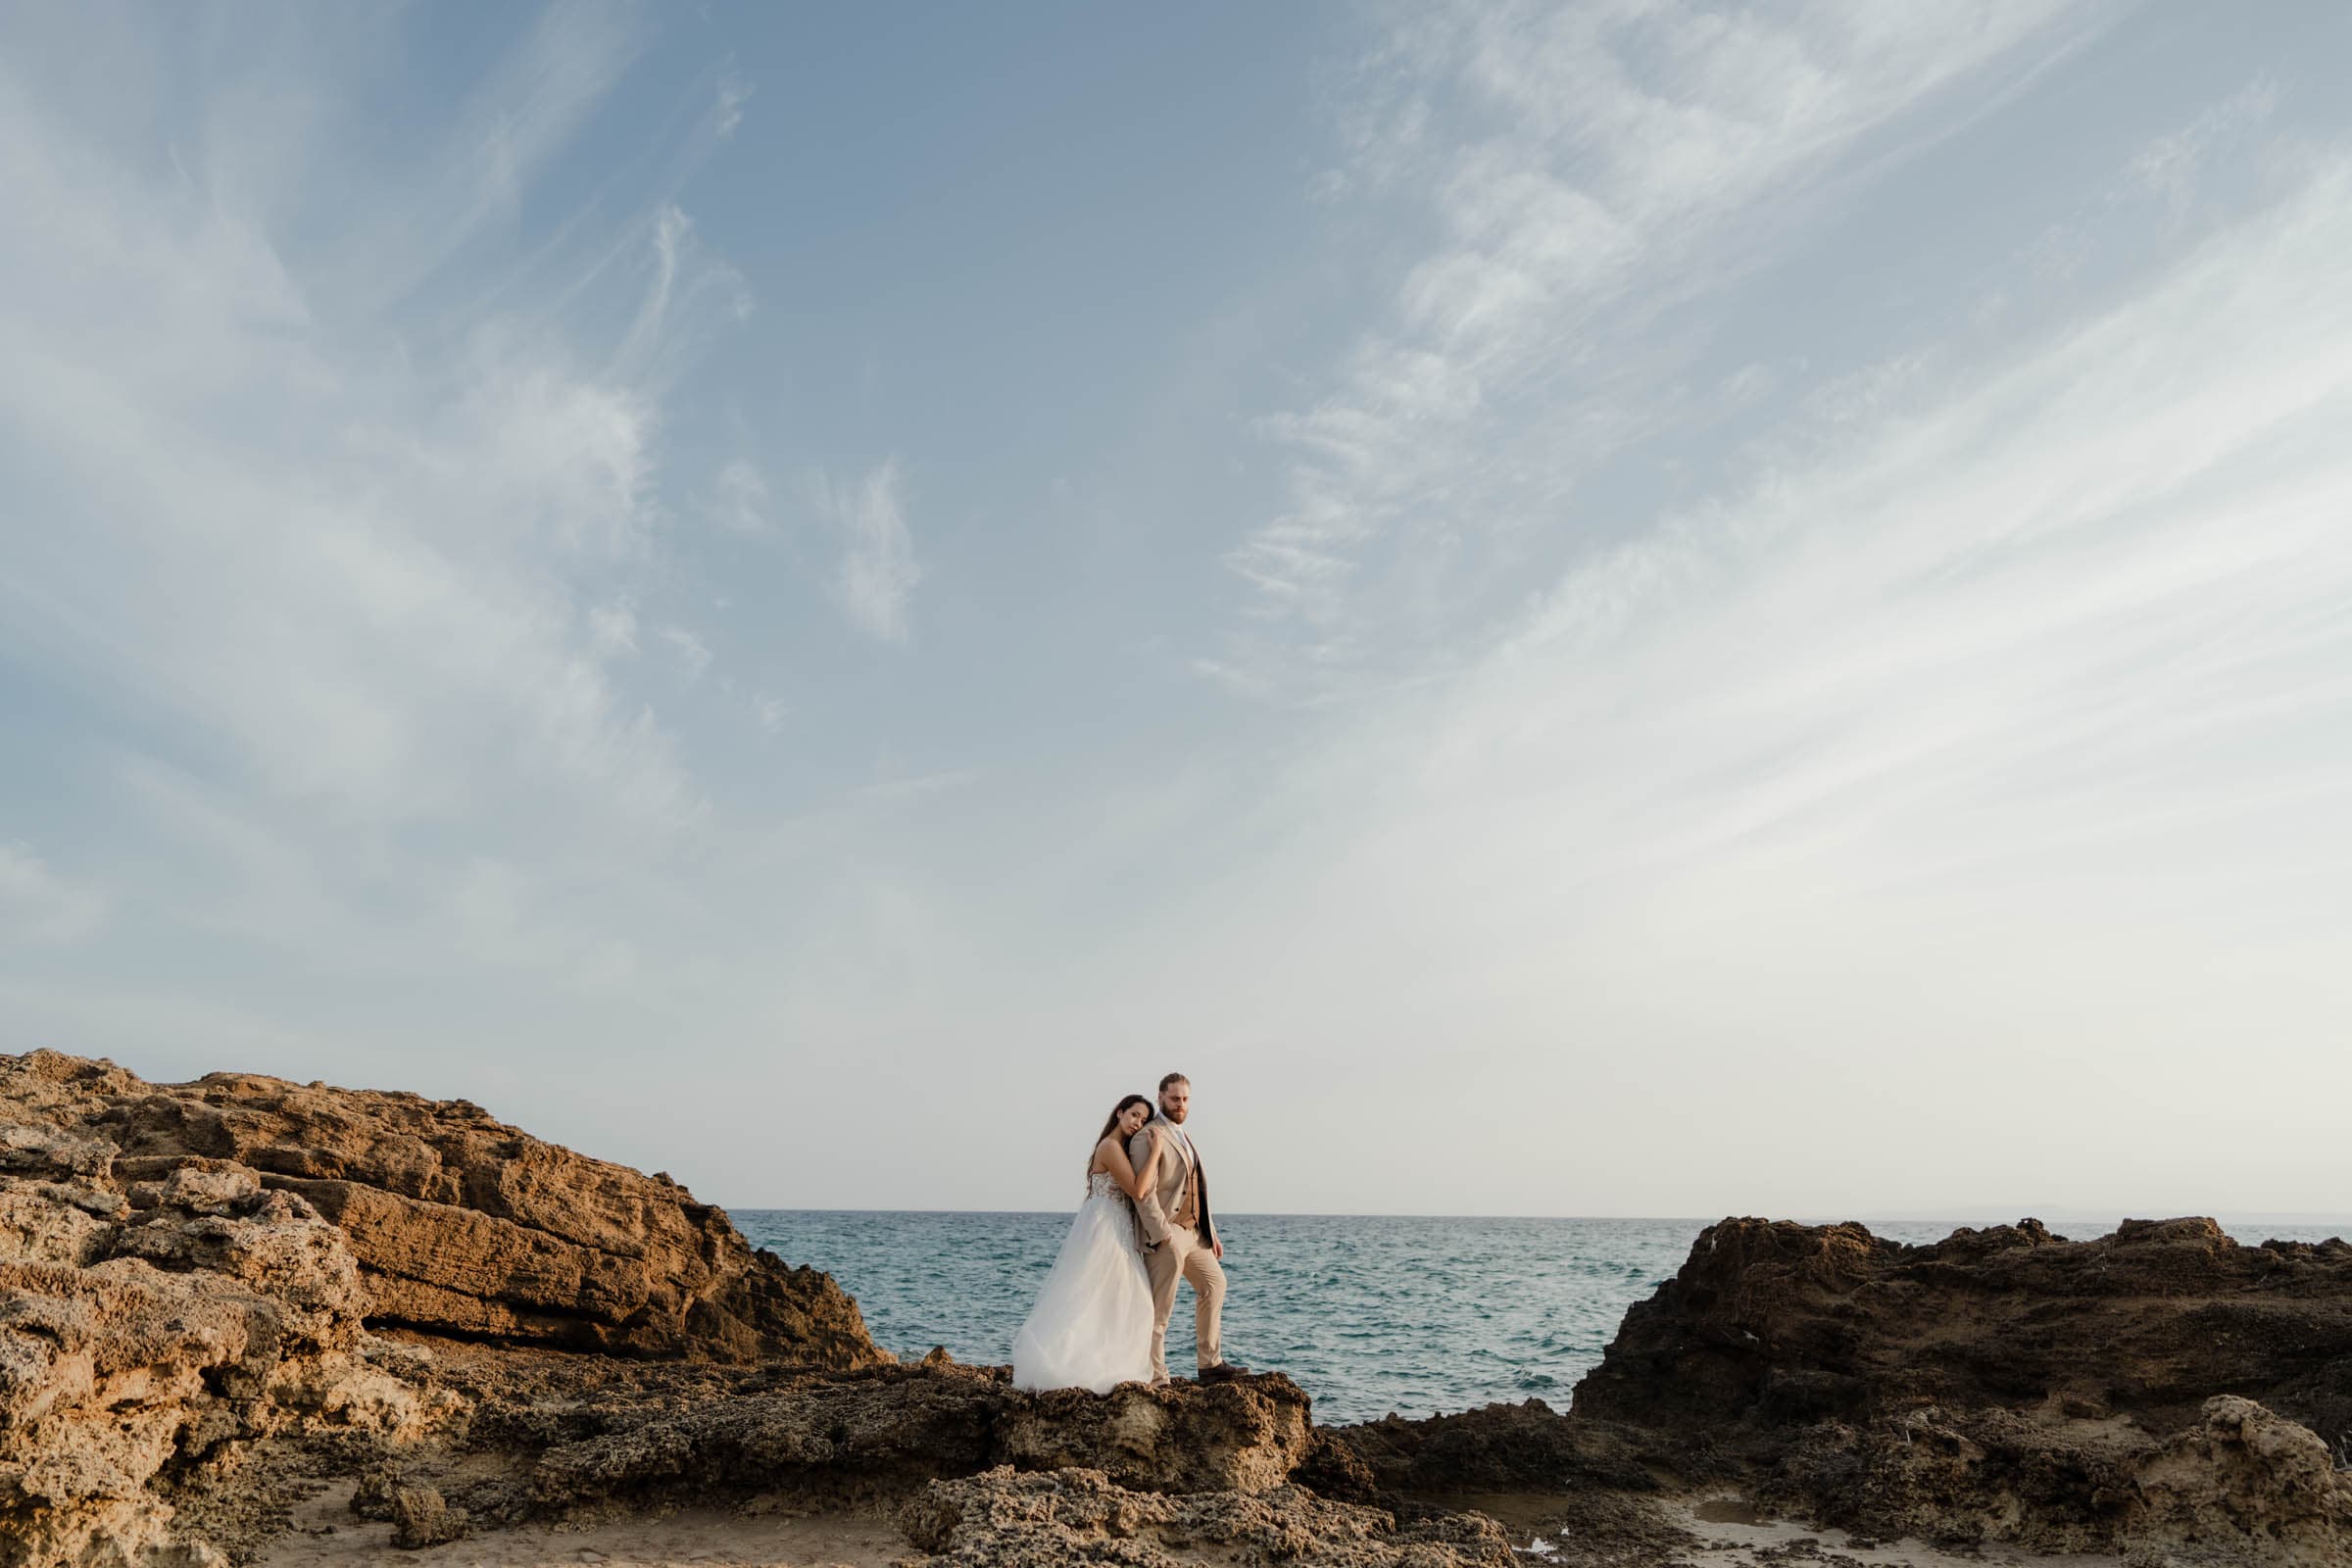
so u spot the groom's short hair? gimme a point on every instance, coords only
(1174, 1078)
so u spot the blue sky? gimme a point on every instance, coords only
(1642, 610)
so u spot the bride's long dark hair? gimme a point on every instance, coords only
(1110, 1125)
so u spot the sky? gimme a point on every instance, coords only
(1627, 609)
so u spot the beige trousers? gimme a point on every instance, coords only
(1183, 1255)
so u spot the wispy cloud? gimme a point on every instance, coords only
(373, 573)
(733, 94)
(1726, 637)
(1992, 723)
(612, 628)
(739, 496)
(692, 651)
(688, 295)
(2035, 559)
(1588, 169)
(2168, 166)
(520, 115)
(878, 572)
(354, 476)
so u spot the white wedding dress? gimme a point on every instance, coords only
(1092, 1325)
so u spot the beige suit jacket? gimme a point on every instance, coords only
(1165, 1192)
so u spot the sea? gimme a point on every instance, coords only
(1418, 1314)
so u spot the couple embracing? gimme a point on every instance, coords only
(1102, 1317)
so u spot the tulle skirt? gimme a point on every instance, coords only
(1092, 1325)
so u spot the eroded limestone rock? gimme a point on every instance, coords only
(2154, 1389)
(165, 1338)
(881, 1433)
(1005, 1518)
(460, 1224)
(171, 1294)
(1526, 1447)
(2244, 1474)
(1771, 1324)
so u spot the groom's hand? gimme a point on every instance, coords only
(1216, 1250)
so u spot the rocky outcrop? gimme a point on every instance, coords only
(819, 1437)
(217, 1294)
(460, 1224)
(1527, 1447)
(2159, 1387)
(838, 1438)
(1079, 1516)
(1247, 1435)
(2244, 1485)
(2245, 1474)
(975, 1471)
(243, 1275)
(149, 1327)
(1770, 1324)
(188, 1270)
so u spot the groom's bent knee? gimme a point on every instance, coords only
(1207, 1276)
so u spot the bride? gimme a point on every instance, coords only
(1092, 1325)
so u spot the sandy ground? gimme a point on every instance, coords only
(327, 1535)
(1734, 1536)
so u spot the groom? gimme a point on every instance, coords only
(1178, 1236)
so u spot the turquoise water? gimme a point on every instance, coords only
(1369, 1313)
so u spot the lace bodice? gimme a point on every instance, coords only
(1102, 1184)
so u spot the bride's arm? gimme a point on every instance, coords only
(1123, 1171)
(1150, 1216)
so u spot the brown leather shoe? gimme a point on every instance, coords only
(1223, 1372)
